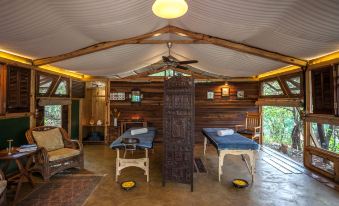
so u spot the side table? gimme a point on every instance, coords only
(25, 164)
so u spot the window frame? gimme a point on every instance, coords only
(37, 84)
(282, 81)
(68, 89)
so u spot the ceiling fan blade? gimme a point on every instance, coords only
(188, 62)
(182, 67)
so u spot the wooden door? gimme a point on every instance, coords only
(178, 127)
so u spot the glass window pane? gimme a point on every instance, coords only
(294, 84)
(323, 164)
(62, 88)
(45, 83)
(271, 88)
(325, 136)
(52, 115)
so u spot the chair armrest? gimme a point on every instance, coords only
(74, 144)
(239, 126)
(41, 155)
(79, 145)
(2, 175)
(257, 130)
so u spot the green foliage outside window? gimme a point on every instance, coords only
(327, 136)
(62, 88)
(282, 131)
(52, 115)
(271, 88)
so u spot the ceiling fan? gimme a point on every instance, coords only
(171, 61)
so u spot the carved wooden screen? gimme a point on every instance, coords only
(178, 124)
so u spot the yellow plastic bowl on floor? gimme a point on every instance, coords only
(127, 185)
(240, 183)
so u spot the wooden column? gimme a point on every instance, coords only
(32, 122)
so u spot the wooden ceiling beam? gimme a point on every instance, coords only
(239, 47)
(188, 41)
(99, 47)
(197, 38)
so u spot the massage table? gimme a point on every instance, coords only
(234, 144)
(145, 143)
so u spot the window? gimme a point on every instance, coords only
(325, 136)
(62, 89)
(45, 83)
(53, 115)
(78, 89)
(18, 89)
(283, 130)
(271, 88)
(293, 84)
(168, 73)
(322, 91)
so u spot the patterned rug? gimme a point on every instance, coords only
(63, 190)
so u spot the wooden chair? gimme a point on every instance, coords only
(252, 127)
(49, 163)
(3, 186)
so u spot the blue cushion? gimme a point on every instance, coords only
(145, 140)
(230, 142)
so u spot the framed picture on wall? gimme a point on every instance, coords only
(210, 95)
(225, 92)
(240, 94)
(117, 96)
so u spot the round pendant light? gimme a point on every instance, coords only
(169, 9)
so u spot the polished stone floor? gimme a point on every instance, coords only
(271, 186)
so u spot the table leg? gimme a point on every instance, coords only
(221, 163)
(117, 165)
(147, 165)
(205, 145)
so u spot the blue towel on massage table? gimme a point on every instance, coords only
(145, 140)
(230, 142)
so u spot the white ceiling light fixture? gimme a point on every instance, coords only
(169, 9)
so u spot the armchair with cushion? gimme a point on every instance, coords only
(252, 127)
(58, 152)
(3, 186)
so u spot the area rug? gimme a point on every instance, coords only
(63, 190)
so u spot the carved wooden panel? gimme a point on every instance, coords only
(178, 125)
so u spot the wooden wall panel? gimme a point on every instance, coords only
(220, 112)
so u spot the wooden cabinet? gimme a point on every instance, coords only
(94, 109)
(178, 125)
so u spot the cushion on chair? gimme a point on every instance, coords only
(49, 139)
(62, 153)
(3, 185)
